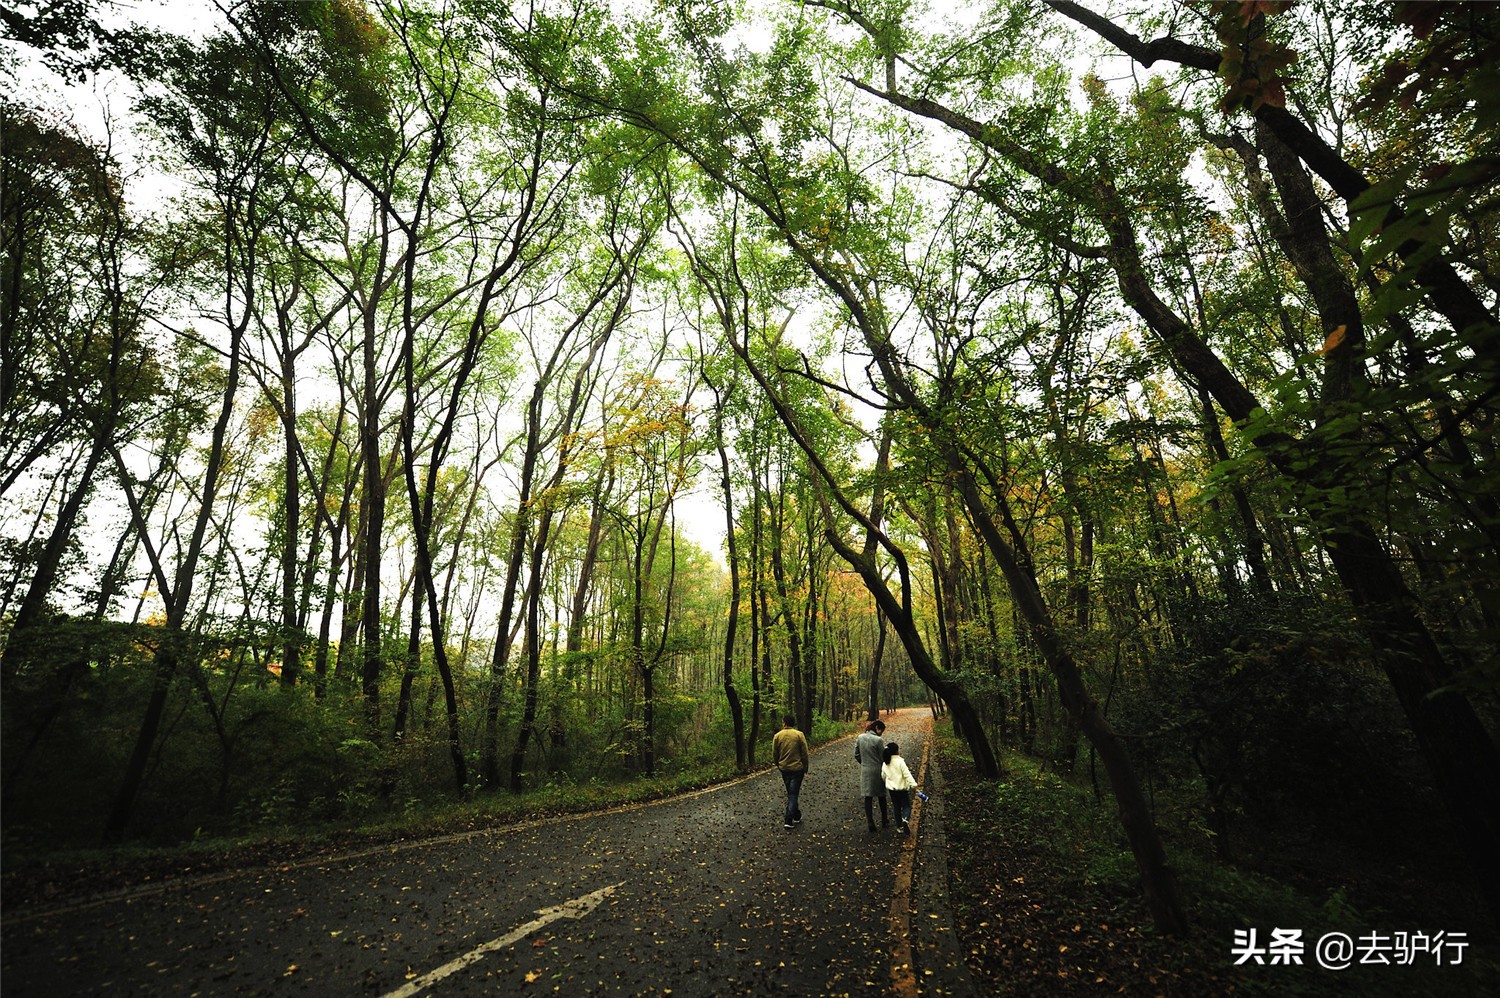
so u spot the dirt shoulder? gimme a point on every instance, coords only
(1027, 926)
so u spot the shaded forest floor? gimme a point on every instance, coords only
(1046, 903)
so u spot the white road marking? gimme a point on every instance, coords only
(576, 908)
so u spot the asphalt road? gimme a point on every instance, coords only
(703, 894)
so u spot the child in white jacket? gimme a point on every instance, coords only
(900, 783)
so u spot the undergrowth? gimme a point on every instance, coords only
(1044, 881)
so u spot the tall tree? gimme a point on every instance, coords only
(227, 144)
(1462, 755)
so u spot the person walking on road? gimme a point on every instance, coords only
(899, 781)
(789, 752)
(867, 749)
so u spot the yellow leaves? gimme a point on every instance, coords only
(532, 976)
(1095, 88)
(261, 421)
(1335, 337)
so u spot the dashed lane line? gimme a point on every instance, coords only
(576, 908)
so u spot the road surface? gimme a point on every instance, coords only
(702, 894)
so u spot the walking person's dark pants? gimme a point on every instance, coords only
(793, 781)
(901, 804)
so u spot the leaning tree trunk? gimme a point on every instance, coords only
(965, 717)
(50, 559)
(1157, 878)
(1464, 760)
(176, 594)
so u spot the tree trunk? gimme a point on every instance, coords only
(731, 628)
(532, 649)
(798, 705)
(291, 642)
(176, 594)
(50, 560)
(810, 640)
(490, 763)
(372, 510)
(1461, 754)
(898, 612)
(759, 630)
(413, 664)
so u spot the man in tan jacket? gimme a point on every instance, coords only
(789, 752)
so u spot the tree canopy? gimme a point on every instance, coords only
(429, 385)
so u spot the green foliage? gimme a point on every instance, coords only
(1265, 706)
(335, 60)
(826, 729)
(461, 195)
(1436, 168)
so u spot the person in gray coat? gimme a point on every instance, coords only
(867, 751)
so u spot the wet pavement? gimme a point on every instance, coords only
(702, 894)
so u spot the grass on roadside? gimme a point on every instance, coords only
(33, 876)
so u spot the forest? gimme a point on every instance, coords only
(407, 403)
